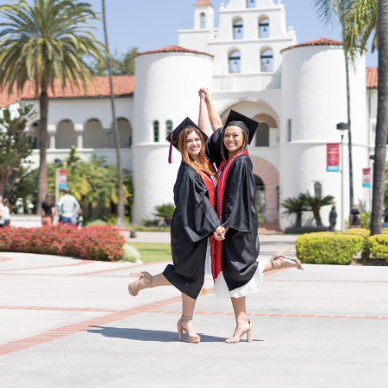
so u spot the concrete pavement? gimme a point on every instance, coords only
(71, 323)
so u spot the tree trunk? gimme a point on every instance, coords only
(120, 207)
(382, 119)
(42, 177)
(317, 217)
(298, 223)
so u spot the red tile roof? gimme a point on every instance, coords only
(371, 77)
(316, 42)
(202, 2)
(172, 49)
(123, 85)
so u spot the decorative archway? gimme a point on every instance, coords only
(267, 107)
(270, 176)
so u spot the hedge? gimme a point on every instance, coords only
(328, 248)
(94, 243)
(377, 245)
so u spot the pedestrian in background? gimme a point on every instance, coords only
(78, 218)
(2, 211)
(7, 212)
(48, 209)
(332, 218)
(68, 207)
(355, 216)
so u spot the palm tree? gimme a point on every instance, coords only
(42, 42)
(316, 202)
(120, 205)
(382, 119)
(364, 17)
(329, 11)
(295, 205)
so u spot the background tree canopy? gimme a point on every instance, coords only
(122, 64)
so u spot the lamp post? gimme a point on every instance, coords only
(342, 127)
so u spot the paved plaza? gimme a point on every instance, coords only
(71, 323)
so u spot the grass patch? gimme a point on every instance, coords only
(150, 252)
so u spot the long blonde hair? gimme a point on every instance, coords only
(182, 146)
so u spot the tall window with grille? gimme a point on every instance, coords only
(238, 30)
(266, 61)
(168, 127)
(156, 131)
(263, 27)
(289, 130)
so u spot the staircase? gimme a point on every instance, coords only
(269, 227)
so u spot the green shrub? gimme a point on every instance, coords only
(151, 221)
(166, 212)
(357, 232)
(377, 245)
(365, 219)
(130, 253)
(96, 223)
(328, 248)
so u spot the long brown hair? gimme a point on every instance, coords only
(224, 150)
(182, 146)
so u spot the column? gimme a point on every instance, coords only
(79, 129)
(52, 130)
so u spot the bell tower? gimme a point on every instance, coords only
(203, 15)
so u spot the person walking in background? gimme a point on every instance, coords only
(78, 218)
(48, 209)
(7, 212)
(2, 212)
(68, 207)
(332, 218)
(355, 217)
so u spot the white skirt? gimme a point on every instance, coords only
(221, 288)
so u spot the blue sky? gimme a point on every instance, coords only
(151, 24)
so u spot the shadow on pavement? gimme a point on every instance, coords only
(148, 335)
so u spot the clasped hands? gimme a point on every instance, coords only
(219, 233)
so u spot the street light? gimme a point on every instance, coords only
(342, 127)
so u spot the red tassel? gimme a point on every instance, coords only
(170, 152)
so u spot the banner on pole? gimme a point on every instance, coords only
(332, 155)
(62, 179)
(366, 177)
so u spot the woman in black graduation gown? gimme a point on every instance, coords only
(238, 272)
(193, 222)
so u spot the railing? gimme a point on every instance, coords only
(245, 82)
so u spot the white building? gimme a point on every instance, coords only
(251, 63)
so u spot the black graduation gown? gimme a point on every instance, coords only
(193, 221)
(240, 248)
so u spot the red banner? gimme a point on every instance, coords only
(332, 155)
(366, 177)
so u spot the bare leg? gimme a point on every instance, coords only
(146, 281)
(160, 280)
(242, 322)
(186, 322)
(281, 263)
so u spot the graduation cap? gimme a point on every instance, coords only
(173, 138)
(248, 125)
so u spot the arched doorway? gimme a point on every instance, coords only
(260, 199)
(268, 176)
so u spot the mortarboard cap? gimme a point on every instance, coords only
(173, 138)
(245, 123)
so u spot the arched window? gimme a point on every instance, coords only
(238, 30)
(262, 135)
(318, 189)
(266, 60)
(263, 27)
(202, 20)
(65, 136)
(289, 130)
(125, 132)
(34, 135)
(235, 62)
(251, 3)
(156, 131)
(168, 127)
(94, 135)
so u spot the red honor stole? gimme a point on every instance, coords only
(222, 175)
(212, 199)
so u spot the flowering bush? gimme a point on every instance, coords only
(95, 242)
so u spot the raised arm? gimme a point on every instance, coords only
(215, 119)
(203, 119)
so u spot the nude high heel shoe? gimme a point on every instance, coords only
(145, 281)
(247, 332)
(284, 261)
(181, 329)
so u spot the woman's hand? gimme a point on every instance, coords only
(219, 233)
